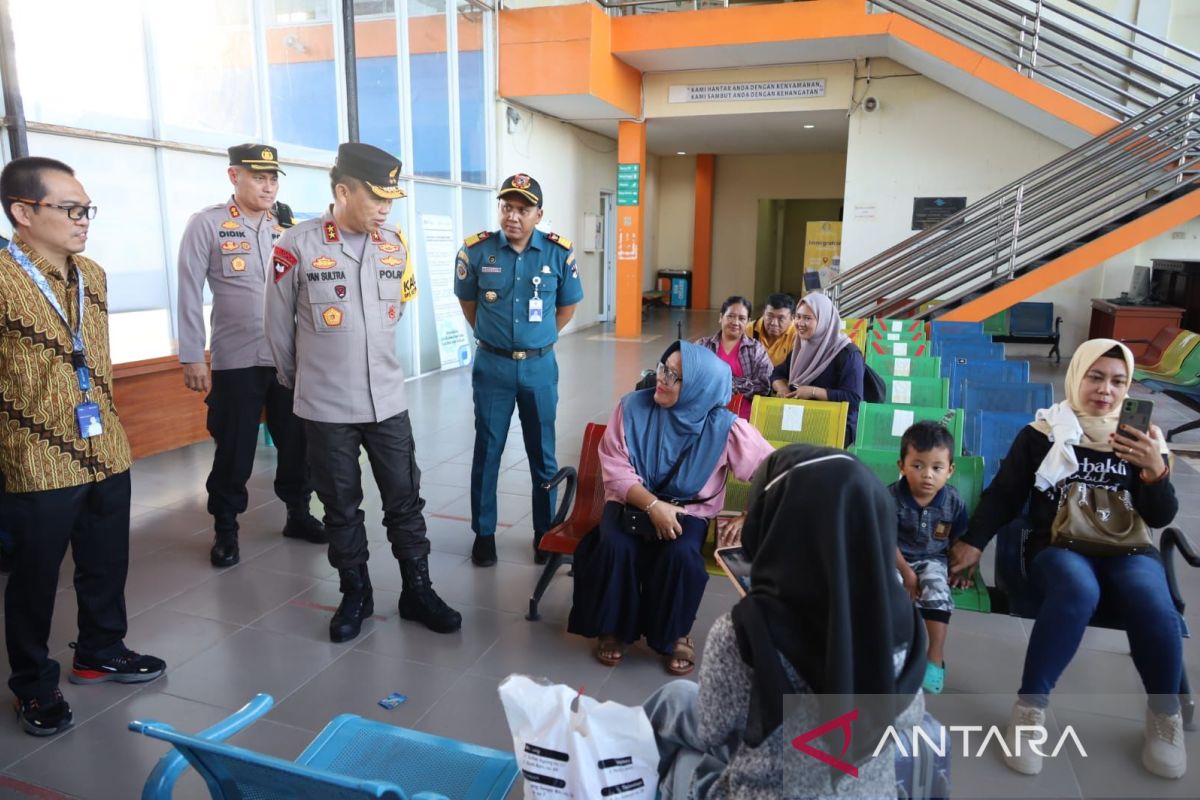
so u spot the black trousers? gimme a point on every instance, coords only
(94, 519)
(333, 451)
(235, 406)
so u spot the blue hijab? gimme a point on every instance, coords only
(656, 437)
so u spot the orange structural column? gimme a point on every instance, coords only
(702, 231)
(631, 171)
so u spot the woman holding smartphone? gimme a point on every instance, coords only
(1075, 466)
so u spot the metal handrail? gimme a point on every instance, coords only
(1047, 40)
(1034, 219)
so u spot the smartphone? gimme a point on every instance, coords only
(1135, 412)
(736, 564)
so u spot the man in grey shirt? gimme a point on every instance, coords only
(340, 286)
(229, 246)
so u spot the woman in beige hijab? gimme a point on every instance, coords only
(1073, 452)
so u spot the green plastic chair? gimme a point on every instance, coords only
(997, 324)
(880, 426)
(1187, 375)
(932, 392)
(897, 325)
(1183, 351)
(904, 367)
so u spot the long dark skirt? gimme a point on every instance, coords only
(631, 588)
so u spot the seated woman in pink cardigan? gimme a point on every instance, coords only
(666, 452)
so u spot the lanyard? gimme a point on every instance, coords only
(39, 280)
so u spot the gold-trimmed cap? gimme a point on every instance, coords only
(258, 157)
(378, 169)
(523, 185)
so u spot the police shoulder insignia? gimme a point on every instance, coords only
(561, 241)
(471, 241)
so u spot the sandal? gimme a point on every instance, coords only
(935, 678)
(610, 651)
(685, 651)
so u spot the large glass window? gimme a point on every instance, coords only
(302, 74)
(83, 64)
(204, 60)
(430, 86)
(214, 72)
(378, 81)
(472, 94)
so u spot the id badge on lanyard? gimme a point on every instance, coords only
(535, 303)
(87, 413)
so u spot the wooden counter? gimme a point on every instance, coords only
(1113, 321)
(159, 413)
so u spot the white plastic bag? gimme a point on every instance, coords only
(585, 749)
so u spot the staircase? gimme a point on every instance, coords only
(1123, 187)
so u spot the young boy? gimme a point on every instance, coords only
(931, 515)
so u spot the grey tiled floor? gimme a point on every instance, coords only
(262, 626)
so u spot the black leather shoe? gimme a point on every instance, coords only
(419, 602)
(301, 524)
(224, 552)
(483, 552)
(358, 603)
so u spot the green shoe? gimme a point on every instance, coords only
(935, 678)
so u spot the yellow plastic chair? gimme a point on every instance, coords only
(786, 421)
(1172, 358)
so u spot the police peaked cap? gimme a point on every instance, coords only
(378, 169)
(258, 157)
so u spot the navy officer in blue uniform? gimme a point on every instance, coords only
(518, 287)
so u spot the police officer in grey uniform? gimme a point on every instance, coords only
(339, 289)
(229, 246)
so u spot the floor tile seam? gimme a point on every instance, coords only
(310, 586)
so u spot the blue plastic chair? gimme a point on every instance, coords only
(939, 329)
(1023, 397)
(991, 434)
(955, 340)
(951, 348)
(1031, 319)
(352, 759)
(987, 370)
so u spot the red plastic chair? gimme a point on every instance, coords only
(564, 534)
(735, 403)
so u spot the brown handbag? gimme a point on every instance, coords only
(1098, 521)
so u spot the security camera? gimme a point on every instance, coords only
(870, 105)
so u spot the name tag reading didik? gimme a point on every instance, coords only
(87, 417)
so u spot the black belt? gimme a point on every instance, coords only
(515, 355)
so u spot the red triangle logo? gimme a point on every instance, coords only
(842, 723)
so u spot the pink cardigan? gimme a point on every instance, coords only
(744, 451)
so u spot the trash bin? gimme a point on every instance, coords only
(677, 283)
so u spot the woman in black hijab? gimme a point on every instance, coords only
(825, 616)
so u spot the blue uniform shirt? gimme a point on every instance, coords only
(500, 280)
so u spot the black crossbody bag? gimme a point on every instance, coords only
(636, 522)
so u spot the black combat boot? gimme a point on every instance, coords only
(418, 600)
(224, 552)
(358, 603)
(301, 524)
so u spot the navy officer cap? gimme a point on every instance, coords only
(258, 157)
(523, 185)
(378, 169)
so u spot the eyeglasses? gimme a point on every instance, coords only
(667, 375)
(73, 212)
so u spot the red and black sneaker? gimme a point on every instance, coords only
(124, 667)
(44, 717)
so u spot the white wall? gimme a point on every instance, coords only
(925, 141)
(674, 216)
(573, 166)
